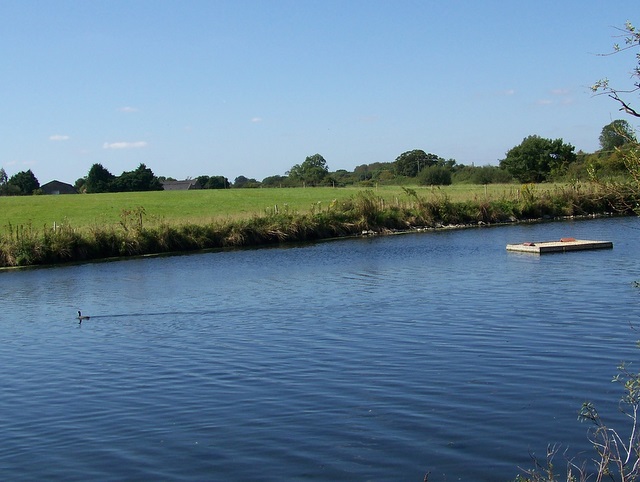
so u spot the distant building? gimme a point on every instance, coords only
(186, 185)
(57, 187)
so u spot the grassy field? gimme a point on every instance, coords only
(175, 207)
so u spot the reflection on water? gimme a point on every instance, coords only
(367, 359)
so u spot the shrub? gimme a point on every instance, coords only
(435, 176)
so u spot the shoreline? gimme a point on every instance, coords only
(284, 243)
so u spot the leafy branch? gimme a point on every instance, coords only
(602, 87)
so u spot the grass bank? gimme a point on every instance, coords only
(120, 225)
(204, 206)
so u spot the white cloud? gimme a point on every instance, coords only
(58, 137)
(124, 145)
(22, 163)
(544, 102)
(564, 95)
(129, 109)
(509, 92)
(255, 120)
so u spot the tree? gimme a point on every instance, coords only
(275, 181)
(410, 163)
(142, 179)
(81, 184)
(245, 182)
(3, 182)
(203, 180)
(537, 159)
(311, 172)
(631, 41)
(213, 182)
(342, 177)
(24, 181)
(99, 179)
(616, 134)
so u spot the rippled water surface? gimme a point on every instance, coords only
(365, 359)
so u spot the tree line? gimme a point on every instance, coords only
(534, 160)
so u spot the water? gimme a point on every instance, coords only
(366, 359)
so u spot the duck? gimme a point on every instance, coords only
(82, 317)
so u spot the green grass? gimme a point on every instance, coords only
(176, 207)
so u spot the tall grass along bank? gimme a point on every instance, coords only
(139, 232)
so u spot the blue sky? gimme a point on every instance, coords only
(244, 87)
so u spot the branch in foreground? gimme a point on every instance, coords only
(625, 107)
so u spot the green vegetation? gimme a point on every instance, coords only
(129, 224)
(616, 134)
(201, 206)
(410, 163)
(538, 160)
(24, 182)
(312, 172)
(100, 180)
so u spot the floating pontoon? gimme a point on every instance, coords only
(562, 246)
